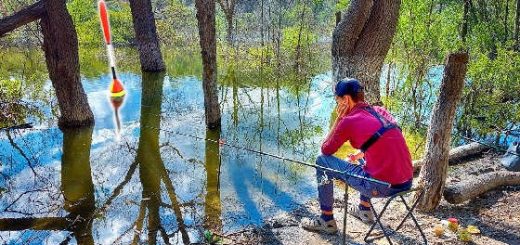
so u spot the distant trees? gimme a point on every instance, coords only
(146, 35)
(208, 44)
(361, 41)
(228, 7)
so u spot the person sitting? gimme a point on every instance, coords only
(383, 151)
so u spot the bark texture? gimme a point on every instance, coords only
(433, 174)
(457, 154)
(361, 41)
(473, 187)
(60, 44)
(146, 35)
(208, 44)
(22, 17)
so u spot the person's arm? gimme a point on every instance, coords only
(336, 136)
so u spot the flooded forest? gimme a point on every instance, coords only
(187, 121)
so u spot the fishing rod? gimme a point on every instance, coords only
(221, 142)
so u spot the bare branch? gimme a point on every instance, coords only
(22, 17)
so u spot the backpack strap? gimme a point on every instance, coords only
(386, 125)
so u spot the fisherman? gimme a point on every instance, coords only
(383, 155)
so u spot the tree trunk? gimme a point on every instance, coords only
(506, 16)
(473, 187)
(433, 174)
(465, 16)
(517, 25)
(208, 44)
(457, 154)
(361, 41)
(60, 44)
(228, 7)
(22, 17)
(146, 35)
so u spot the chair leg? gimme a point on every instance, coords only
(345, 215)
(378, 221)
(410, 213)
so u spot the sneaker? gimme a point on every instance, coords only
(366, 216)
(318, 224)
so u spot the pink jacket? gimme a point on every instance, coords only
(388, 159)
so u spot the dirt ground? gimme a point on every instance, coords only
(496, 214)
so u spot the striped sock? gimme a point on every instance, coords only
(327, 215)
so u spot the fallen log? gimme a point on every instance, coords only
(457, 154)
(473, 187)
(22, 17)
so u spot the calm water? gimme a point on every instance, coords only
(151, 183)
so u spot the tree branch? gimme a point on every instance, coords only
(22, 17)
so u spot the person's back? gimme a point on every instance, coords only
(388, 159)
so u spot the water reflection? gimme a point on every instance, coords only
(77, 189)
(212, 204)
(76, 183)
(153, 186)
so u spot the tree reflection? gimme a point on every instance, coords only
(213, 206)
(77, 188)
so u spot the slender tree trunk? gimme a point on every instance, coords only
(465, 16)
(506, 16)
(146, 35)
(228, 7)
(361, 41)
(208, 44)
(517, 25)
(60, 44)
(433, 174)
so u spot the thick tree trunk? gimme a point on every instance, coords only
(38, 224)
(146, 35)
(60, 44)
(22, 17)
(457, 154)
(473, 187)
(433, 174)
(208, 44)
(361, 41)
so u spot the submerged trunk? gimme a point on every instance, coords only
(208, 44)
(146, 35)
(60, 44)
(433, 174)
(361, 41)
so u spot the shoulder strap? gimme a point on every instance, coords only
(386, 125)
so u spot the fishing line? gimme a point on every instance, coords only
(274, 156)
